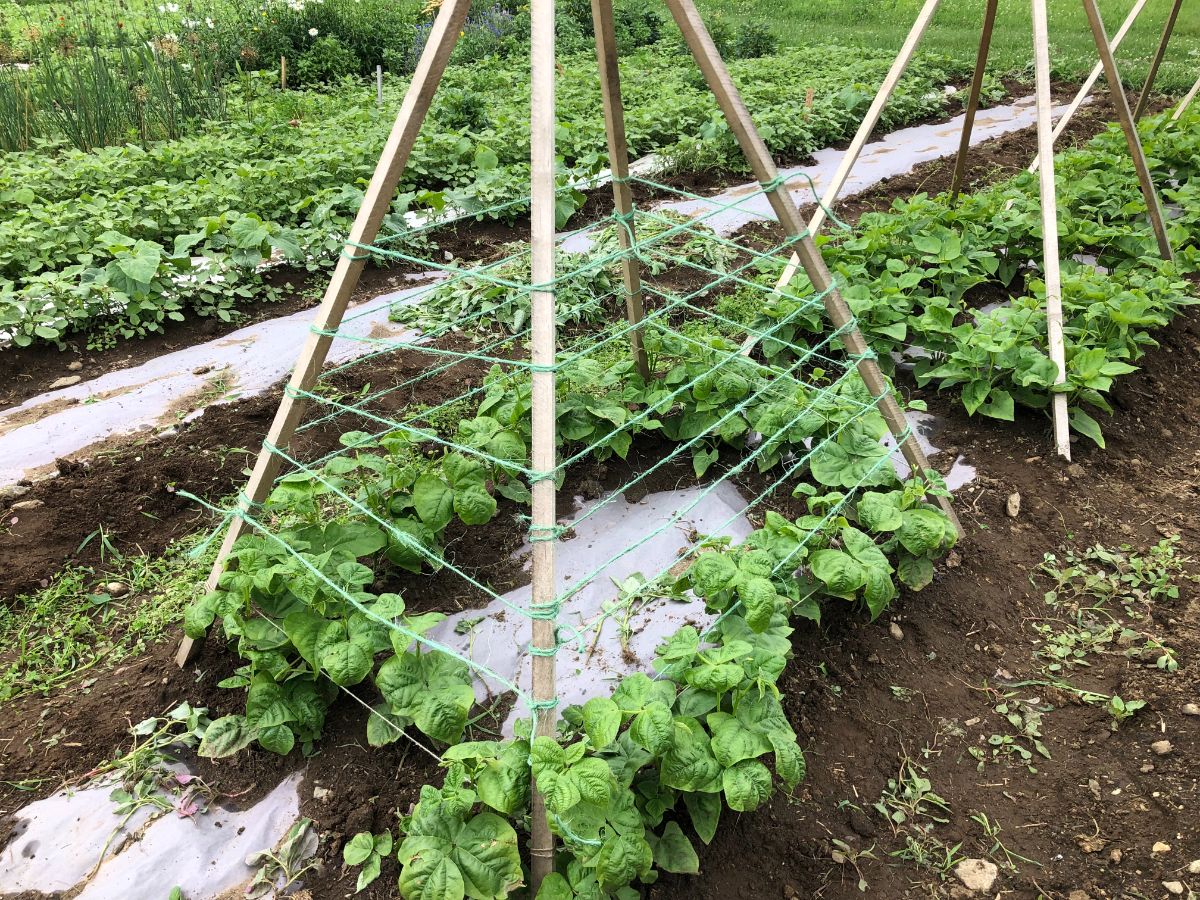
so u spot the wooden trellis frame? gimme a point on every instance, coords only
(1047, 134)
(446, 29)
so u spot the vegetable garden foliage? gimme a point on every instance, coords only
(97, 242)
(634, 777)
(911, 274)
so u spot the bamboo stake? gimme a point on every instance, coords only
(1159, 54)
(1121, 102)
(1186, 101)
(375, 204)
(850, 157)
(1090, 81)
(1051, 262)
(981, 58)
(618, 163)
(544, 515)
(379, 85)
(730, 100)
(283, 73)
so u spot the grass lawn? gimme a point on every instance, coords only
(955, 30)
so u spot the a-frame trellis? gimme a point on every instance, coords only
(1047, 134)
(446, 29)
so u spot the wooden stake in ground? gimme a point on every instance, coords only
(1168, 29)
(1186, 102)
(850, 157)
(618, 163)
(544, 516)
(1050, 259)
(981, 58)
(1090, 81)
(283, 73)
(759, 158)
(376, 201)
(1125, 117)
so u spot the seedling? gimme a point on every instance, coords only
(367, 850)
(1120, 710)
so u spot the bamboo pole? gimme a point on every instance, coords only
(850, 157)
(379, 85)
(759, 158)
(1120, 101)
(981, 58)
(375, 204)
(1090, 81)
(283, 73)
(1051, 262)
(1186, 101)
(618, 163)
(544, 513)
(1156, 62)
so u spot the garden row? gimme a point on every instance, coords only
(950, 289)
(303, 608)
(102, 242)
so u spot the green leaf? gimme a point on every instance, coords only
(673, 852)
(277, 738)
(705, 811)
(652, 728)
(880, 511)
(368, 873)
(622, 858)
(923, 531)
(747, 785)
(226, 736)
(430, 876)
(433, 501)
(915, 571)
(842, 574)
(601, 721)
(1086, 425)
(759, 601)
(358, 848)
(474, 505)
(733, 742)
(999, 405)
(346, 662)
(384, 727)
(712, 573)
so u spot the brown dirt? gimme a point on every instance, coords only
(862, 701)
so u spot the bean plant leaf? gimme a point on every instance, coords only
(705, 812)
(747, 785)
(226, 736)
(601, 721)
(673, 852)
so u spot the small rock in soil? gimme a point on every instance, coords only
(977, 874)
(1162, 748)
(953, 560)
(1114, 856)
(26, 505)
(116, 589)
(202, 370)
(1146, 768)
(1173, 887)
(12, 492)
(321, 793)
(1159, 848)
(1013, 505)
(896, 631)
(1075, 470)
(65, 382)
(1191, 709)
(1194, 867)
(1079, 895)
(861, 823)
(75, 366)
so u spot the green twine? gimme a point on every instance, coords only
(544, 533)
